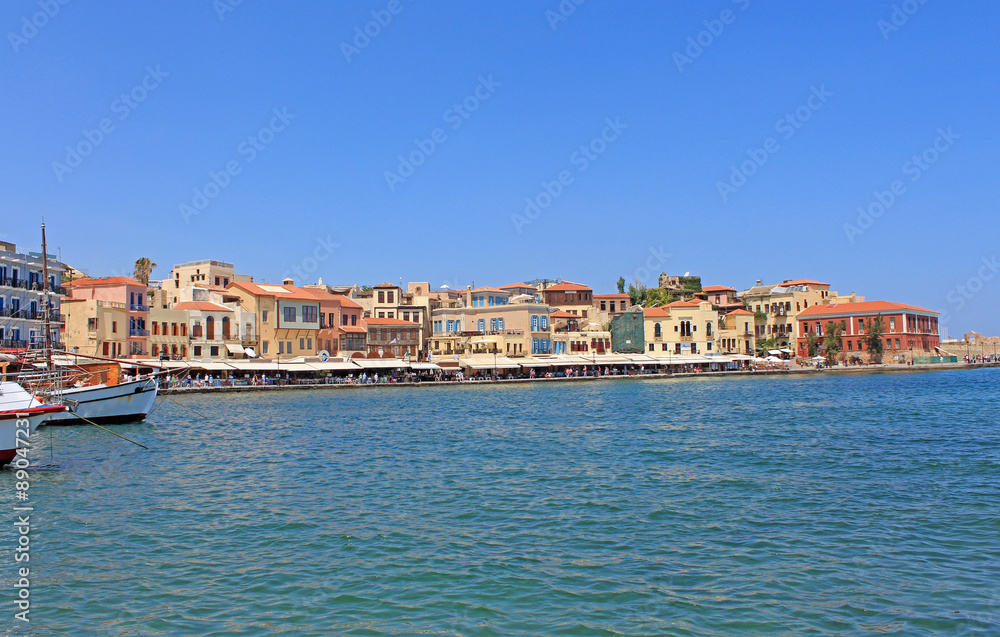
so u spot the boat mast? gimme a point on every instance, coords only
(45, 288)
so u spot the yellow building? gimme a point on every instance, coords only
(736, 333)
(486, 321)
(681, 328)
(95, 327)
(777, 306)
(286, 319)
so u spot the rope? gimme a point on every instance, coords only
(91, 422)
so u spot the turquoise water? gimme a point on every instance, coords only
(835, 505)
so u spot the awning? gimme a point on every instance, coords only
(331, 366)
(381, 363)
(535, 362)
(253, 366)
(235, 348)
(785, 351)
(488, 362)
(211, 366)
(425, 367)
(774, 352)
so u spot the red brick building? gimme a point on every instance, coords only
(909, 329)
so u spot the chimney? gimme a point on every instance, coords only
(288, 281)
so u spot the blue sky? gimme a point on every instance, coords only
(693, 93)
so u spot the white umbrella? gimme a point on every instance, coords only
(773, 359)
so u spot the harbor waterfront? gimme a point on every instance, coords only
(700, 505)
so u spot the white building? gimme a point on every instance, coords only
(22, 299)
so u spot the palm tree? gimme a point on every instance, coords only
(143, 268)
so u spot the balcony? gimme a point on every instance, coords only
(12, 344)
(135, 307)
(138, 332)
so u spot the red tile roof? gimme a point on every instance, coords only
(517, 285)
(684, 304)
(559, 314)
(567, 286)
(656, 312)
(291, 292)
(354, 329)
(717, 288)
(739, 313)
(612, 296)
(348, 303)
(865, 307)
(111, 280)
(204, 306)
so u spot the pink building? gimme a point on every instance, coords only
(128, 292)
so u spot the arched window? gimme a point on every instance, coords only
(657, 332)
(225, 328)
(210, 328)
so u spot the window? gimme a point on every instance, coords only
(545, 322)
(213, 350)
(105, 349)
(184, 329)
(861, 326)
(381, 314)
(604, 306)
(381, 296)
(354, 319)
(481, 325)
(343, 319)
(302, 343)
(406, 316)
(309, 313)
(289, 314)
(92, 324)
(677, 348)
(534, 326)
(663, 347)
(264, 347)
(657, 332)
(897, 344)
(263, 316)
(500, 323)
(389, 297)
(197, 350)
(651, 347)
(114, 326)
(281, 347)
(850, 346)
(892, 323)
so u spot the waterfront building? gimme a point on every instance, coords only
(393, 338)
(353, 330)
(168, 332)
(681, 328)
(736, 333)
(608, 306)
(723, 297)
(573, 335)
(628, 331)
(570, 297)
(22, 299)
(489, 320)
(126, 336)
(776, 306)
(909, 330)
(286, 317)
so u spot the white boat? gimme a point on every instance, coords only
(20, 415)
(130, 401)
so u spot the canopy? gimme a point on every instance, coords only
(774, 352)
(381, 363)
(235, 348)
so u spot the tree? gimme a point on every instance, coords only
(834, 340)
(812, 343)
(873, 339)
(621, 285)
(765, 345)
(637, 293)
(144, 266)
